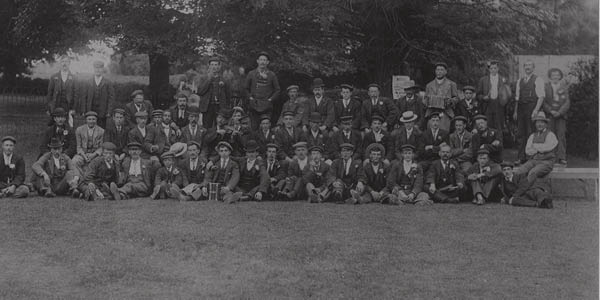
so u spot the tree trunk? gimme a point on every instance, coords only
(159, 80)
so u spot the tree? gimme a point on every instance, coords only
(33, 29)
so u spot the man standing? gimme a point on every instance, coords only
(55, 173)
(117, 133)
(540, 149)
(61, 89)
(215, 93)
(98, 95)
(324, 106)
(493, 94)
(372, 182)
(460, 144)
(444, 178)
(101, 177)
(263, 88)
(412, 102)
(556, 106)
(483, 176)
(491, 138)
(377, 105)
(529, 98)
(89, 138)
(138, 104)
(405, 180)
(60, 130)
(518, 191)
(470, 107)
(295, 104)
(12, 171)
(347, 107)
(441, 95)
(344, 175)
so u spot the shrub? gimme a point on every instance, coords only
(582, 125)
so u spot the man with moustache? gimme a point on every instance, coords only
(138, 104)
(263, 88)
(215, 93)
(54, 173)
(12, 171)
(179, 113)
(60, 130)
(377, 105)
(61, 89)
(98, 94)
(441, 95)
(444, 179)
(324, 106)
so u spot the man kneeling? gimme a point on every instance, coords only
(55, 173)
(518, 191)
(136, 174)
(406, 180)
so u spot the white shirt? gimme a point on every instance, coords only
(56, 161)
(407, 165)
(374, 101)
(266, 134)
(440, 81)
(375, 168)
(193, 130)
(193, 164)
(346, 102)
(138, 107)
(290, 131)
(494, 79)
(469, 102)
(510, 177)
(135, 168)
(347, 166)
(408, 133)
(555, 88)
(64, 75)
(302, 163)
(166, 129)
(539, 87)
(318, 100)
(250, 164)
(347, 134)
(270, 165)
(378, 135)
(435, 132)
(181, 113)
(444, 164)
(142, 130)
(97, 79)
(224, 163)
(7, 159)
(315, 134)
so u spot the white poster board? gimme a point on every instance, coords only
(399, 83)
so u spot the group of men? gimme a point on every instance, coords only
(419, 150)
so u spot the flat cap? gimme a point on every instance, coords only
(137, 92)
(109, 146)
(141, 114)
(224, 144)
(9, 138)
(300, 145)
(134, 145)
(91, 114)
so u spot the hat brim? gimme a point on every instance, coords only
(412, 119)
(179, 149)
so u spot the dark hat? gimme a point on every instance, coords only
(263, 53)
(194, 143)
(346, 118)
(181, 95)
(346, 86)
(541, 116)
(477, 117)
(109, 146)
(433, 114)
(55, 143)
(317, 83)
(316, 148)
(300, 145)
(157, 112)
(408, 116)
(59, 112)
(9, 138)
(91, 114)
(408, 146)
(347, 146)
(483, 150)
(214, 58)
(193, 110)
(224, 144)
(441, 63)
(167, 154)
(292, 87)
(237, 108)
(137, 92)
(272, 145)
(265, 117)
(505, 164)
(225, 113)
(315, 117)
(141, 114)
(492, 62)
(414, 88)
(98, 64)
(118, 111)
(377, 117)
(251, 146)
(468, 88)
(134, 145)
(374, 85)
(460, 118)
(375, 147)
(289, 113)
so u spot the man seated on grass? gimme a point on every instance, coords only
(254, 180)
(12, 171)
(276, 171)
(136, 175)
(294, 188)
(60, 130)
(517, 191)
(193, 168)
(483, 176)
(445, 180)
(540, 149)
(491, 138)
(55, 173)
(101, 177)
(372, 182)
(343, 175)
(405, 180)
(460, 142)
(222, 176)
(169, 179)
(316, 177)
(89, 141)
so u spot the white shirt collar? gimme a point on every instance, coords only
(7, 158)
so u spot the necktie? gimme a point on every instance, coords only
(193, 166)
(347, 135)
(181, 114)
(270, 166)
(346, 167)
(222, 164)
(434, 135)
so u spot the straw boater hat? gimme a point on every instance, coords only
(180, 148)
(377, 147)
(541, 116)
(408, 116)
(224, 144)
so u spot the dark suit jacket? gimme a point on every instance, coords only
(322, 139)
(232, 174)
(399, 138)
(487, 138)
(163, 139)
(339, 138)
(209, 89)
(294, 171)
(285, 141)
(457, 146)
(494, 170)
(256, 176)
(279, 170)
(441, 178)
(484, 85)
(175, 176)
(369, 139)
(519, 185)
(200, 171)
(148, 170)
(318, 177)
(397, 175)
(12, 176)
(117, 138)
(45, 164)
(262, 140)
(130, 111)
(384, 108)
(68, 139)
(180, 122)
(325, 108)
(261, 90)
(98, 172)
(338, 171)
(135, 135)
(442, 137)
(374, 182)
(353, 109)
(54, 88)
(462, 109)
(104, 103)
(562, 105)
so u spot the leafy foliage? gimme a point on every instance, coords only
(583, 114)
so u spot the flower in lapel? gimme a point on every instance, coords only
(65, 132)
(256, 167)
(487, 169)
(272, 136)
(380, 170)
(175, 171)
(12, 166)
(484, 134)
(452, 166)
(380, 103)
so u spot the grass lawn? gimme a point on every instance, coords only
(142, 249)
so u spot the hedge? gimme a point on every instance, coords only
(582, 124)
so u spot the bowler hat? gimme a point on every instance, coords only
(408, 116)
(109, 146)
(55, 143)
(315, 117)
(9, 138)
(59, 112)
(91, 114)
(317, 83)
(224, 144)
(251, 146)
(375, 147)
